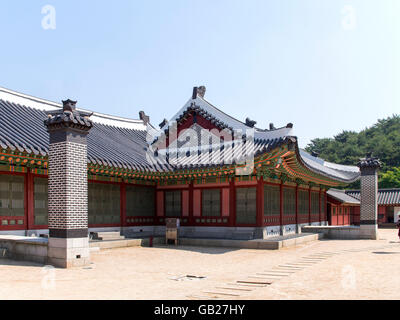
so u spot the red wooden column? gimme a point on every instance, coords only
(160, 205)
(191, 218)
(297, 204)
(319, 210)
(29, 201)
(309, 205)
(123, 203)
(260, 202)
(281, 204)
(232, 203)
(325, 199)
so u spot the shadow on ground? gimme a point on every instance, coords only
(207, 250)
(9, 262)
(382, 252)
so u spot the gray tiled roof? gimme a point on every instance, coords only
(122, 142)
(335, 171)
(341, 196)
(107, 145)
(385, 196)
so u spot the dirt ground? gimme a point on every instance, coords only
(327, 269)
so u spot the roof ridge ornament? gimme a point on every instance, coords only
(69, 105)
(145, 118)
(250, 123)
(68, 117)
(199, 91)
(369, 162)
(163, 123)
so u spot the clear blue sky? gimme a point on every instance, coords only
(278, 61)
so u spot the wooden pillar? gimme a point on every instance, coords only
(297, 207)
(123, 204)
(260, 202)
(232, 202)
(320, 207)
(191, 218)
(309, 205)
(281, 206)
(29, 200)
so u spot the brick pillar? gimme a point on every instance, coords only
(68, 199)
(369, 197)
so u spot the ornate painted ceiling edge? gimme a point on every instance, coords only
(282, 163)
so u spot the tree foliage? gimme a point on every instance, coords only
(382, 139)
(390, 179)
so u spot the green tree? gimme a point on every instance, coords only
(347, 147)
(390, 179)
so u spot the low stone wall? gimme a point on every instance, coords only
(262, 244)
(335, 232)
(34, 250)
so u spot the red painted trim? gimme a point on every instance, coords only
(202, 122)
(13, 173)
(244, 184)
(211, 185)
(175, 187)
(103, 182)
(104, 225)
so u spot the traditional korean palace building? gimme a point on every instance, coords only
(239, 182)
(344, 206)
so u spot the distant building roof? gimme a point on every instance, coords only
(341, 196)
(385, 196)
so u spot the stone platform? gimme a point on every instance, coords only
(274, 243)
(343, 232)
(32, 249)
(35, 249)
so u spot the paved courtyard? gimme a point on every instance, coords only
(327, 269)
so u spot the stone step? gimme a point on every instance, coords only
(112, 235)
(107, 233)
(140, 235)
(204, 234)
(109, 238)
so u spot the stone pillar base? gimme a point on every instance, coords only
(67, 253)
(369, 232)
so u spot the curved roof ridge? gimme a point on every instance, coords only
(319, 165)
(47, 105)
